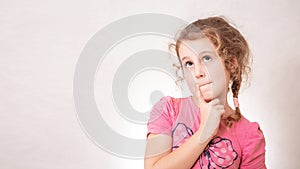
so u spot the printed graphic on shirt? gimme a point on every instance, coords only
(219, 153)
(180, 134)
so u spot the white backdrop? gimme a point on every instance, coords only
(40, 42)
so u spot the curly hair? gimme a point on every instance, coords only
(230, 45)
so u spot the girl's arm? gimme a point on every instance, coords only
(159, 154)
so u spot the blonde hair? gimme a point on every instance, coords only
(229, 44)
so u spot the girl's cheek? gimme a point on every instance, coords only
(190, 79)
(189, 74)
(191, 85)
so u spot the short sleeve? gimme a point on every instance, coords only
(161, 116)
(253, 154)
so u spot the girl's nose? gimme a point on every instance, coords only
(199, 71)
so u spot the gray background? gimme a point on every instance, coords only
(40, 42)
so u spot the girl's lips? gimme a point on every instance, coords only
(200, 85)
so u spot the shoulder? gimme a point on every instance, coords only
(245, 128)
(168, 104)
(164, 113)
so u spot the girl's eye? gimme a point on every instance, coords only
(207, 58)
(188, 64)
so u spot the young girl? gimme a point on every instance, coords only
(203, 131)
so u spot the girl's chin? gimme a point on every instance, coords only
(207, 96)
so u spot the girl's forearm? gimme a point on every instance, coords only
(183, 157)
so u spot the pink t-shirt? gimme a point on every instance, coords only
(240, 146)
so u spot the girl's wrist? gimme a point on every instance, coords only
(203, 136)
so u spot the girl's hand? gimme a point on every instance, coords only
(211, 112)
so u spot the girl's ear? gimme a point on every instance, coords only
(233, 65)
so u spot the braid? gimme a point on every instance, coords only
(235, 87)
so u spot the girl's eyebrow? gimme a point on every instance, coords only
(206, 52)
(185, 57)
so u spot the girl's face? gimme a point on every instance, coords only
(203, 66)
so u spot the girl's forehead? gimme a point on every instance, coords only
(195, 47)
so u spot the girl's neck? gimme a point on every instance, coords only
(228, 111)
